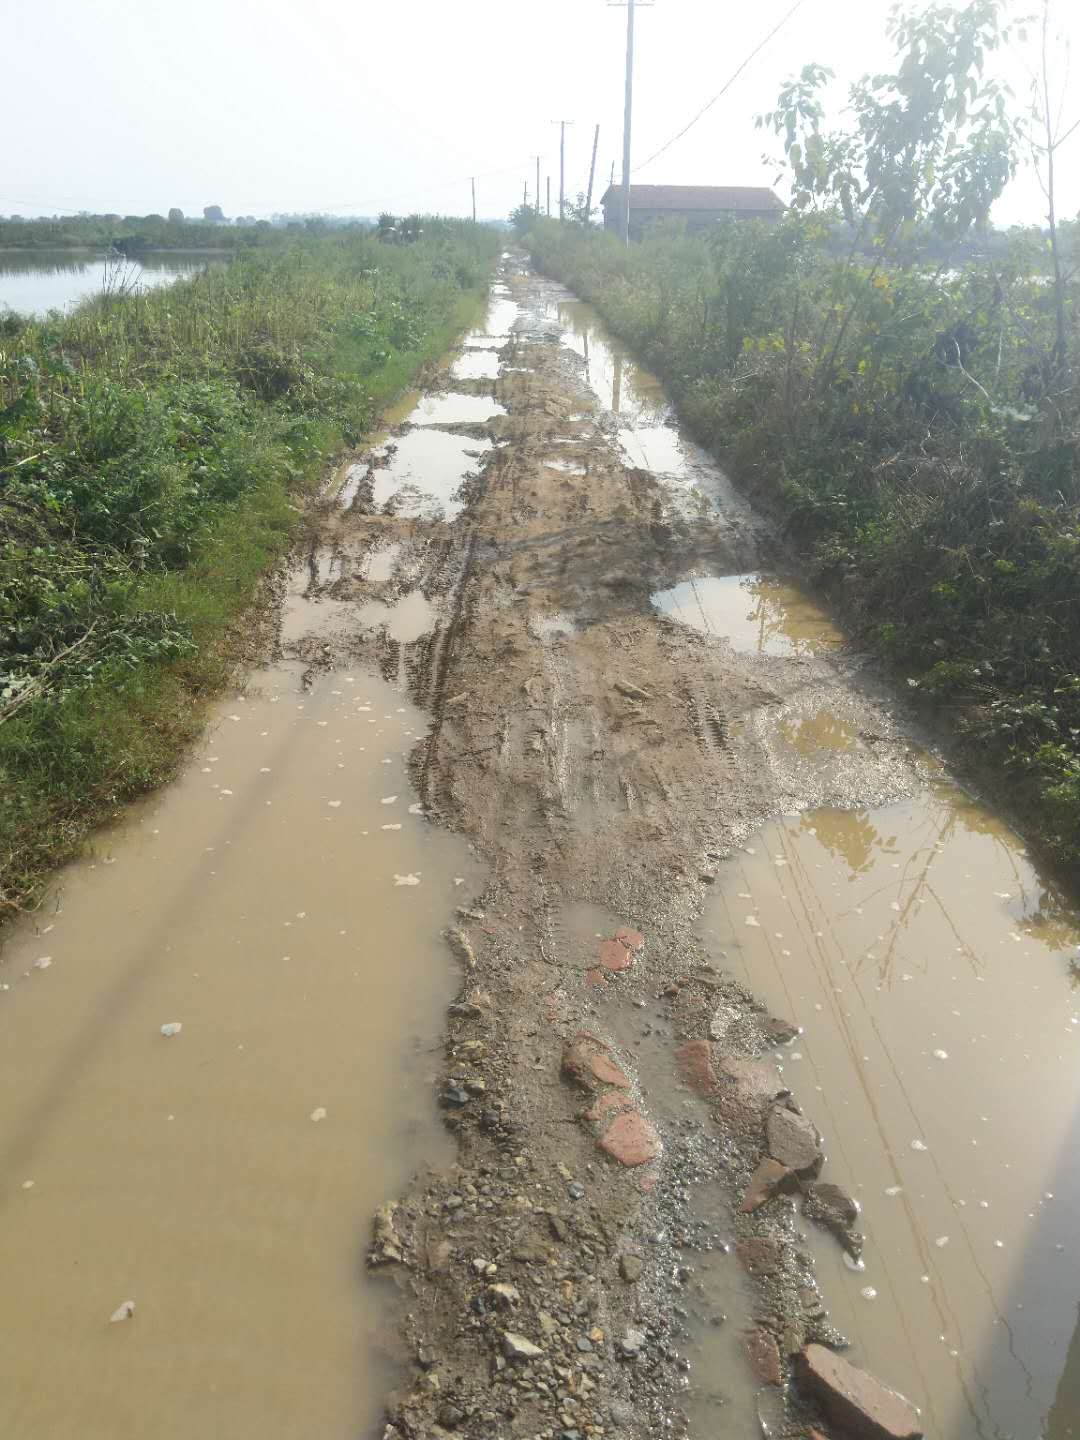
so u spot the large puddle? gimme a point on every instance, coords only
(450, 408)
(756, 614)
(646, 428)
(425, 473)
(282, 903)
(934, 973)
(476, 365)
(615, 378)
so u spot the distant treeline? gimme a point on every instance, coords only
(174, 231)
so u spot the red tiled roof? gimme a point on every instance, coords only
(697, 197)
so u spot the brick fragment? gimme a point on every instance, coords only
(631, 1140)
(695, 1063)
(764, 1355)
(614, 956)
(855, 1401)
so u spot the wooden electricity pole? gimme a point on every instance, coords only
(562, 124)
(474, 199)
(628, 110)
(549, 196)
(592, 174)
(537, 159)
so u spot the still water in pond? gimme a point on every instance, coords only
(934, 973)
(283, 902)
(35, 282)
(756, 614)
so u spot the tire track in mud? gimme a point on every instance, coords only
(569, 1276)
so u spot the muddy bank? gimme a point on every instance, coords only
(623, 698)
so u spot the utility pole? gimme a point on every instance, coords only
(525, 197)
(537, 159)
(474, 199)
(562, 124)
(628, 111)
(549, 197)
(592, 173)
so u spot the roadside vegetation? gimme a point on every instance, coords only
(152, 447)
(897, 385)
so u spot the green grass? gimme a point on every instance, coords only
(152, 451)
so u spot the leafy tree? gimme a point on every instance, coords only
(932, 146)
(213, 215)
(522, 219)
(176, 216)
(1046, 133)
(577, 211)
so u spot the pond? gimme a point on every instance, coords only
(33, 282)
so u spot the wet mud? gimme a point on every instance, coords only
(753, 1021)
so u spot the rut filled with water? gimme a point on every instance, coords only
(282, 904)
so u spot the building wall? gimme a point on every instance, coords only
(696, 220)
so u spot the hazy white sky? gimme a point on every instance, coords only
(362, 105)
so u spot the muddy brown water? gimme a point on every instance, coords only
(753, 613)
(283, 902)
(929, 965)
(936, 975)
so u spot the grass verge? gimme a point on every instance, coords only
(152, 450)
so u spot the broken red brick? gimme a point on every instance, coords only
(694, 1060)
(595, 977)
(605, 1105)
(614, 956)
(759, 1254)
(764, 1355)
(631, 1140)
(857, 1402)
(633, 940)
(585, 1061)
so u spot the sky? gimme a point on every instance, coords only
(357, 106)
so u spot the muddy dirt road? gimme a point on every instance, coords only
(760, 1034)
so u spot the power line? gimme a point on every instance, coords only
(727, 86)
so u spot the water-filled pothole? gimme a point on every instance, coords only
(224, 1177)
(930, 966)
(381, 562)
(450, 408)
(476, 365)
(757, 614)
(820, 730)
(499, 321)
(432, 464)
(405, 620)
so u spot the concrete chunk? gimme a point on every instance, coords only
(793, 1140)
